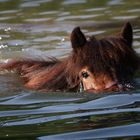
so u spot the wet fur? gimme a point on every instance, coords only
(98, 55)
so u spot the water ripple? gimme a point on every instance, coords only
(111, 132)
(61, 117)
(108, 102)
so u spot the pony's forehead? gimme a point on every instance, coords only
(105, 42)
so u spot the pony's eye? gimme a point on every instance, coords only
(85, 75)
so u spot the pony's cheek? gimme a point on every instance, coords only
(88, 84)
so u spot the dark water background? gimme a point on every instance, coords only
(40, 28)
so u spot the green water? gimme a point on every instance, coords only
(42, 28)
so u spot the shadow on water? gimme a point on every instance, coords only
(41, 28)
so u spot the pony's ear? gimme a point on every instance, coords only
(78, 39)
(127, 33)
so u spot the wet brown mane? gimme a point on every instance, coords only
(112, 56)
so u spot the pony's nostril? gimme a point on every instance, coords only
(111, 84)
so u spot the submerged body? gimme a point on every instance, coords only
(94, 65)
